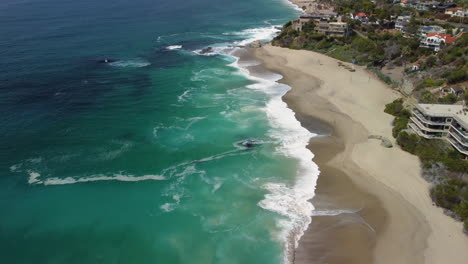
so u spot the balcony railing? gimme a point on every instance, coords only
(457, 146)
(458, 138)
(461, 132)
(425, 120)
(420, 133)
(422, 127)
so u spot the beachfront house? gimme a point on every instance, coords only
(302, 20)
(324, 24)
(333, 29)
(401, 22)
(436, 40)
(457, 12)
(437, 121)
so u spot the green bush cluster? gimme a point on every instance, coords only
(428, 82)
(394, 108)
(432, 151)
(456, 76)
(401, 114)
(453, 195)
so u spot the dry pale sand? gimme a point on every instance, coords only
(395, 220)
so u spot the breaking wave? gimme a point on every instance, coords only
(292, 202)
(174, 47)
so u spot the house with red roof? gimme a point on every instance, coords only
(457, 11)
(435, 40)
(361, 16)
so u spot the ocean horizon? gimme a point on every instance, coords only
(132, 133)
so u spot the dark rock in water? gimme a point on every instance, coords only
(206, 50)
(250, 143)
(106, 60)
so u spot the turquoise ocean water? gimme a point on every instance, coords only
(143, 160)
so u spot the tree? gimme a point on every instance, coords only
(392, 50)
(413, 26)
(309, 27)
(457, 76)
(431, 61)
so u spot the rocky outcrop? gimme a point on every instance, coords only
(207, 50)
(385, 142)
(256, 44)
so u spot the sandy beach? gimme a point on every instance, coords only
(372, 205)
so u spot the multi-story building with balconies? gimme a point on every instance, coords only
(448, 122)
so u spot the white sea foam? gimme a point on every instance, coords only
(216, 49)
(135, 63)
(296, 7)
(248, 35)
(174, 47)
(183, 96)
(34, 179)
(189, 122)
(333, 212)
(254, 34)
(291, 202)
(168, 207)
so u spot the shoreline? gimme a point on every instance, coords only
(379, 215)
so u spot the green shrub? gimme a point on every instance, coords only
(363, 44)
(309, 27)
(400, 123)
(452, 195)
(431, 61)
(462, 210)
(449, 99)
(324, 44)
(408, 142)
(428, 82)
(427, 98)
(457, 76)
(456, 164)
(395, 107)
(446, 196)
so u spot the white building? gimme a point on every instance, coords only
(449, 122)
(457, 11)
(402, 22)
(435, 40)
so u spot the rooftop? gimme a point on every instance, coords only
(446, 37)
(441, 110)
